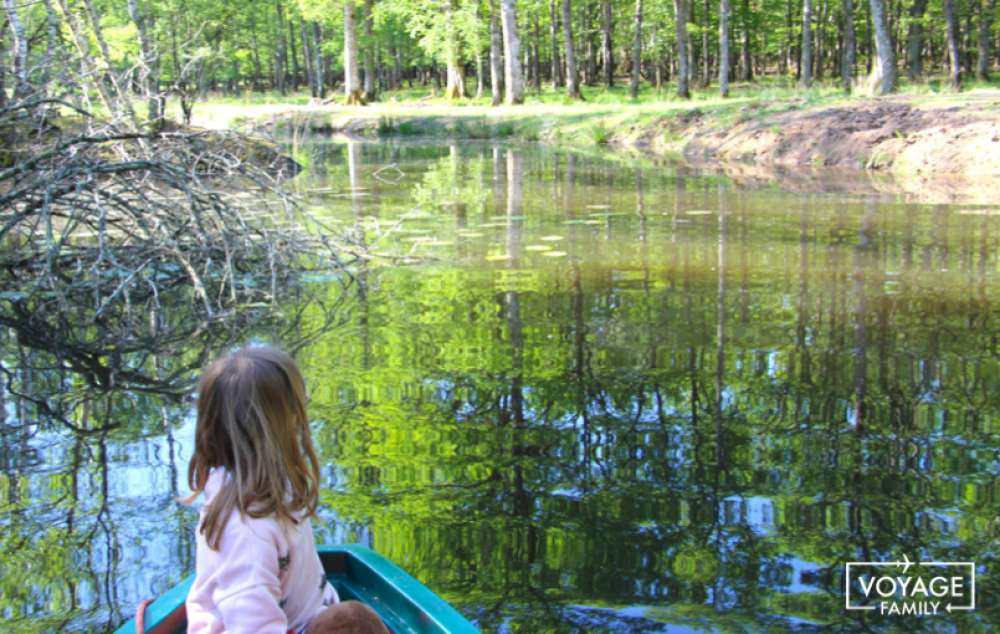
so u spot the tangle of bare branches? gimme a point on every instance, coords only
(117, 246)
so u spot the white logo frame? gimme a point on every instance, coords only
(905, 565)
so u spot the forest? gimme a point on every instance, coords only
(111, 52)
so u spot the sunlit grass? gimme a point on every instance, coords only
(604, 116)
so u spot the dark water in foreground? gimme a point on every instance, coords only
(605, 399)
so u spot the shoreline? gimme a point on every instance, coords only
(933, 150)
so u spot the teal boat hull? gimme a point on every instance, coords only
(405, 605)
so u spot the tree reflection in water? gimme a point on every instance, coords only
(694, 417)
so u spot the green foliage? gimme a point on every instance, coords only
(599, 133)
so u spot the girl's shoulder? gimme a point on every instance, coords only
(243, 528)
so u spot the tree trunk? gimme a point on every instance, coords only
(786, 59)
(307, 59)
(19, 51)
(513, 82)
(82, 43)
(123, 98)
(883, 78)
(254, 56)
(572, 78)
(746, 69)
(805, 78)
(397, 68)
(987, 8)
(52, 42)
(317, 50)
(966, 44)
(705, 58)
(589, 72)
(536, 62)
(954, 60)
(680, 23)
(147, 74)
(455, 85)
(849, 52)
(724, 48)
(915, 40)
(496, 72)
(554, 36)
(818, 42)
(480, 79)
(296, 72)
(636, 51)
(606, 50)
(281, 56)
(352, 83)
(370, 90)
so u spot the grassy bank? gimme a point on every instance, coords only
(546, 116)
(920, 133)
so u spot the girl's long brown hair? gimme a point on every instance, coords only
(252, 422)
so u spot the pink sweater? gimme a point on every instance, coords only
(266, 577)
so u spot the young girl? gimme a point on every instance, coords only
(257, 568)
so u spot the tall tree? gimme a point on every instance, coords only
(317, 50)
(724, 48)
(607, 53)
(370, 46)
(805, 78)
(683, 70)
(883, 78)
(307, 61)
(705, 57)
(352, 82)
(19, 50)
(496, 72)
(280, 52)
(636, 51)
(954, 59)
(296, 75)
(148, 73)
(746, 67)
(915, 40)
(478, 47)
(52, 42)
(513, 81)
(455, 87)
(849, 47)
(87, 67)
(572, 78)
(987, 9)
(555, 71)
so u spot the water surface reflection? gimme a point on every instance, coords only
(607, 398)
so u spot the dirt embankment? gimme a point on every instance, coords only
(937, 154)
(894, 136)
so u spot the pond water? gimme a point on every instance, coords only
(573, 394)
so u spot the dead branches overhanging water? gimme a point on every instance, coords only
(116, 245)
